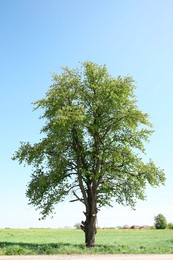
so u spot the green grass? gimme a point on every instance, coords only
(63, 241)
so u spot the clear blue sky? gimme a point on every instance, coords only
(131, 37)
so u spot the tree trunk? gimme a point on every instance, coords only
(89, 225)
(90, 231)
(89, 228)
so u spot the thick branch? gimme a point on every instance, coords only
(80, 160)
(78, 149)
(77, 198)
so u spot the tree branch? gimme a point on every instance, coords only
(110, 126)
(77, 198)
(77, 149)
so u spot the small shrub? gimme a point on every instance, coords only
(170, 225)
(77, 226)
(160, 222)
(152, 227)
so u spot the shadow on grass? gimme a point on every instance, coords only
(15, 248)
(12, 248)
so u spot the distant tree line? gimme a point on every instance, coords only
(160, 222)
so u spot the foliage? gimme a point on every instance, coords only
(170, 225)
(92, 146)
(160, 222)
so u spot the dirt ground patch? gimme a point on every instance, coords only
(89, 257)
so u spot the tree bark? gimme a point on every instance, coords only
(89, 226)
(90, 230)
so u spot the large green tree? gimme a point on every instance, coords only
(160, 221)
(92, 145)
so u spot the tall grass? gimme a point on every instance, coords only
(66, 241)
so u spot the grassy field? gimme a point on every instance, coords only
(63, 241)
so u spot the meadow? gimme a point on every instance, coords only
(69, 241)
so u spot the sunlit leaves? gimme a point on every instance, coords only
(94, 138)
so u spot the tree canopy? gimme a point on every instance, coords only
(160, 221)
(93, 142)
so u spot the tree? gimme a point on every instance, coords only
(92, 145)
(160, 222)
(170, 225)
(77, 226)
